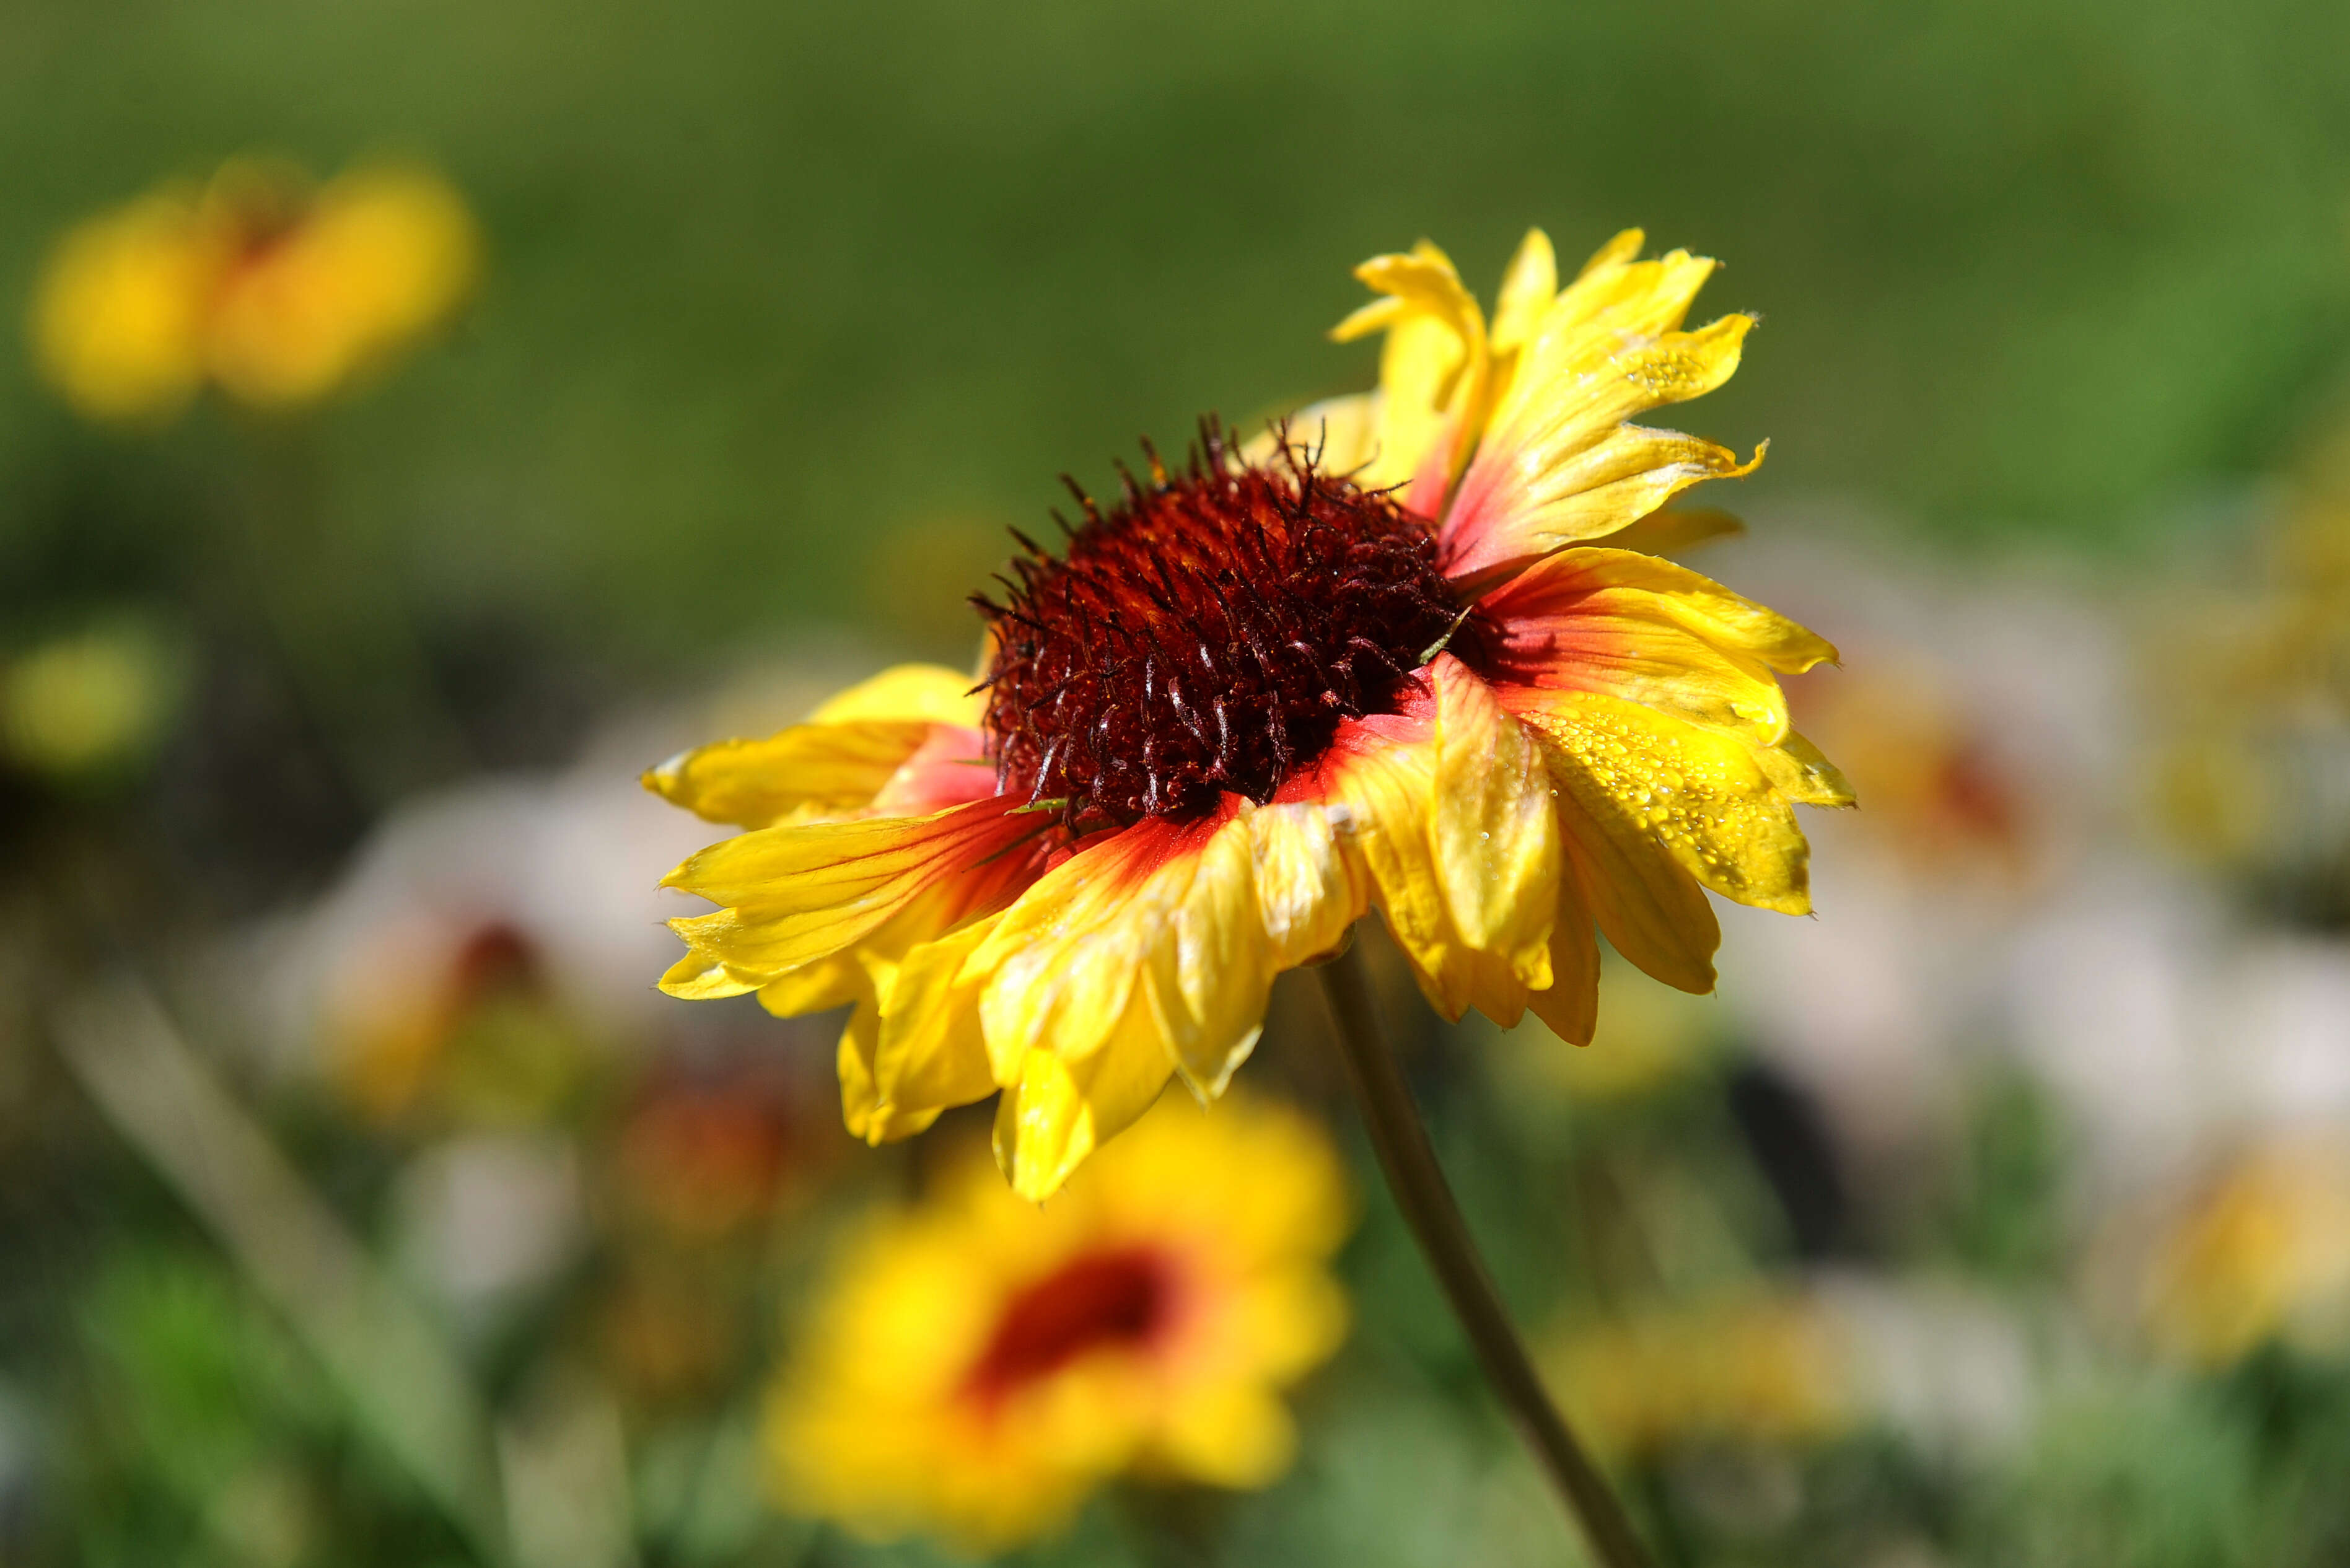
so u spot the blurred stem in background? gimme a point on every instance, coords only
(1421, 1192)
(400, 1376)
(547, 1487)
(362, 672)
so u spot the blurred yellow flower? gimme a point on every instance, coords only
(1750, 1366)
(980, 1364)
(1412, 652)
(2262, 1252)
(276, 294)
(87, 703)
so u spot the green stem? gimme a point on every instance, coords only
(1425, 1198)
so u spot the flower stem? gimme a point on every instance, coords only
(1425, 1198)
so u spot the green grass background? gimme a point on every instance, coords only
(794, 306)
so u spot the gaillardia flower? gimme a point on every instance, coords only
(277, 294)
(979, 1364)
(1372, 660)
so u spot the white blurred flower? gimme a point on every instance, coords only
(481, 1220)
(1982, 714)
(1950, 1370)
(2171, 1033)
(540, 889)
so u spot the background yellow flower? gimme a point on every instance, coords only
(277, 294)
(980, 1364)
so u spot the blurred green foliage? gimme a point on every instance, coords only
(777, 286)
(203, 1435)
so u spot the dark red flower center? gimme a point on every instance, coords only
(495, 961)
(1207, 633)
(1096, 1301)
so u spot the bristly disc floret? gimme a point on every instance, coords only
(1207, 633)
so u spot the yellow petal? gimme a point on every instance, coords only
(861, 1108)
(1294, 1318)
(1059, 1111)
(1650, 909)
(929, 1052)
(1211, 975)
(1448, 813)
(824, 984)
(1491, 824)
(808, 769)
(1616, 294)
(1466, 978)
(927, 694)
(1432, 373)
(1161, 917)
(700, 976)
(1713, 612)
(1378, 782)
(1620, 248)
(1700, 794)
(1569, 470)
(847, 752)
(1061, 966)
(1605, 487)
(1289, 1199)
(1571, 1006)
(1310, 885)
(1558, 463)
(1646, 630)
(1798, 772)
(804, 891)
(1528, 287)
(854, 1060)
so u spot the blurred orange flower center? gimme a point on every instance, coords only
(495, 961)
(1120, 1300)
(261, 229)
